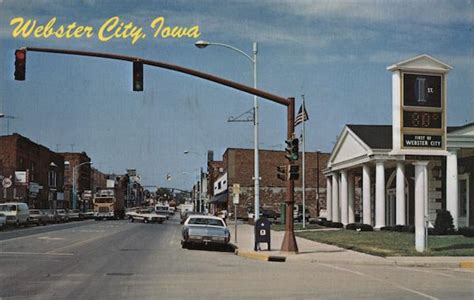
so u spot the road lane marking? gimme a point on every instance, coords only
(380, 280)
(86, 241)
(36, 253)
(49, 238)
(427, 271)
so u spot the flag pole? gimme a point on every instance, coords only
(303, 165)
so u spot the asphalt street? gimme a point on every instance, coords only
(122, 260)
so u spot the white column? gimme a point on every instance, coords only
(335, 198)
(366, 204)
(421, 193)
(401, 206)
(452, 201)
(329, 198)
(344, 199)
(379, 194)
(351, 199)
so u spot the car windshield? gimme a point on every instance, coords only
(205, 221)
(7, 207)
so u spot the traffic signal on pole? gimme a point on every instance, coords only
(292, 149)
(137, 76)
(294, 172)
(282, 173)
(20, 64)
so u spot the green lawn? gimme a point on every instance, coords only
(384, 243)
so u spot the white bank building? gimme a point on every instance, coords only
(407, 171)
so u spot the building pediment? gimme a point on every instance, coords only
(348, 147)
(421, 63)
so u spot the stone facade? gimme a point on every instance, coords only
(239, 165)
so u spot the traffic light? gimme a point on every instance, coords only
(294, 172)
(292, 149)
(282, 173)
(137, 76)
(20, 64)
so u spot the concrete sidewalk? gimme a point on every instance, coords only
(314, 252)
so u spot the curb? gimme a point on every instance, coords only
(260, 256)
(467, 264)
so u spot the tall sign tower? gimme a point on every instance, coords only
(419, 100)
(419, 88)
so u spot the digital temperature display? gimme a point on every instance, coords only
(421, 119)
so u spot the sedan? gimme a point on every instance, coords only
(147, 216)
(38, 217)
(204, 230)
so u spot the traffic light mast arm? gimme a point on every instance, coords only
(289, 240)
(195, 73)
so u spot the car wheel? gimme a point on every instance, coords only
(145, 221)
(132, 220)
(184, 245)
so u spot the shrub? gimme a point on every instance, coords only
(359, 226)
(467, 231)
(337, 225)
(444, 223)
(408, 228)
(387, 228)
(352, 226)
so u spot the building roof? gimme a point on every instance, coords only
(380, 136)
(456, 128)
(375, 136)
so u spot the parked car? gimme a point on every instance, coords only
(52, 216)
(74, 214)
(38, 217)
(63, 215)
(204, 230)
(270, 214)
(89, 214)
(298, 213)
(147, 216)
(3, 221)
(16, 213)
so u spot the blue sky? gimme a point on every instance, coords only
(333, 52)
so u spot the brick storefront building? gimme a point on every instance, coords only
(239, 166)
(44, 168)
(83, 175)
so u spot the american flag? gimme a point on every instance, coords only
(301, 117)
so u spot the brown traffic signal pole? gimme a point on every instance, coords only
(289, 241)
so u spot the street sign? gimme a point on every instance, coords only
(235, 199)
(236, 188)
(7, 182)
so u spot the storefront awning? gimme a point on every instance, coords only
(221, 198)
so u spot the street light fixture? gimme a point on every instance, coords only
(203, 44)
(74, 178)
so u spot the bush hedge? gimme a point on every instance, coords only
(359, 226)
(330, 224)
(466, 231)
(399, 228)
(444, 223)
